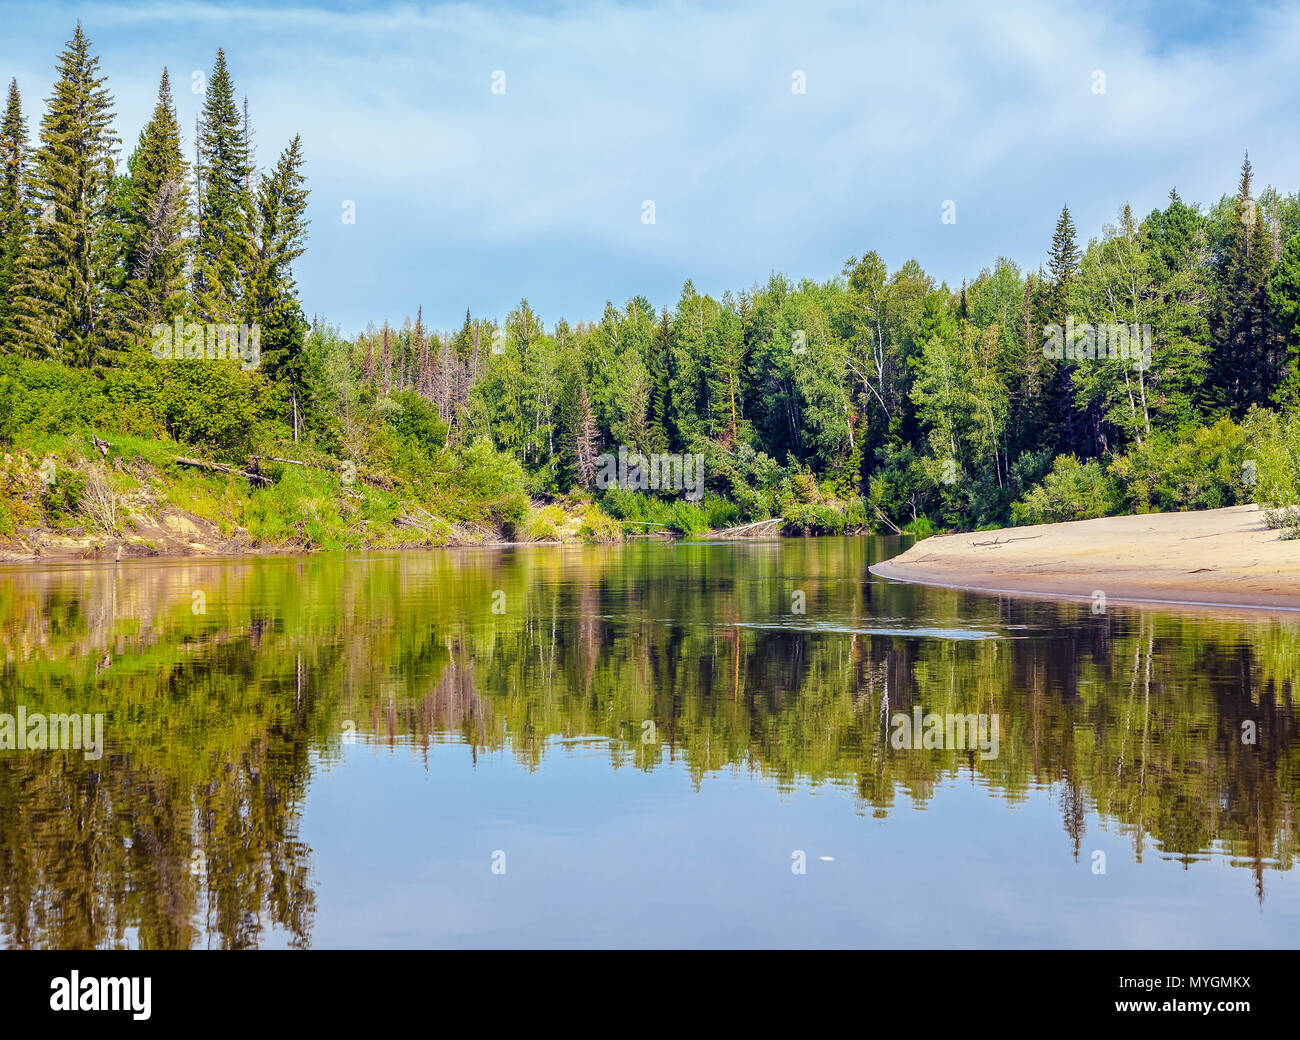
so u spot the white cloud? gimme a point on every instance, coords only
(464, 197)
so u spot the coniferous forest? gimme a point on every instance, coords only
(878, 400)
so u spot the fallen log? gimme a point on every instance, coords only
(217, 467)
(372, 478)
(880, 513)
(733, 532)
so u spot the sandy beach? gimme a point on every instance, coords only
(1217, 557)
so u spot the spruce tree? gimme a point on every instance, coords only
(224, 244)
(13, 217)
(1063, 265)
(1266, 360)
(1244, 370)
(154, 246)
(61, 290)
(272, 299)
(661, 402)
(1062, 433)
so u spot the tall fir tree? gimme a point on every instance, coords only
(62, 285)
(662, 399)
(1063, 265)
(272, 299)
(13, 215)
(225, 240)
(1242, 369)
(1062, 432)
(157, 215)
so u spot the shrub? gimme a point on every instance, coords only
(545, 524)
(720, 513)
(920, 527)
(597, 526)
(1197, 469)
(1072, 491)
(1272, 443)
(1285, 519)
(689, 519)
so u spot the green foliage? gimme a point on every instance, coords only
(545, 524)
(1072, 491)
(1284, 305)
(492, 476)
(1200, 469)
(873, 399)
(64, 275)
(13, 216)
(824, 518)
(1272, 443)
(689, 519)
(596, 525)
(921, 528)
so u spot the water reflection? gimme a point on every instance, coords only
(227, 687)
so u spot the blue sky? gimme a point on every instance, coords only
(469, 198)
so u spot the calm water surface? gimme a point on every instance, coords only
(631, 746)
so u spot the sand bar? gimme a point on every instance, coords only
(1216, 557)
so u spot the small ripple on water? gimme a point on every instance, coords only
(940, 632)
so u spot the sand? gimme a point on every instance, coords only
(1216, 557)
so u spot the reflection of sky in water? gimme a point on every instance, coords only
(599, 856)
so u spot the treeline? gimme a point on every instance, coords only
(924, 400)
(875, 399)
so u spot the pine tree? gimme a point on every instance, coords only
(154, 243)
(61, 290)
(13, 217)
(368, 359)
(224, 243)
(423, 359)
(386, 364)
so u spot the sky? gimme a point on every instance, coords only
(494, 152)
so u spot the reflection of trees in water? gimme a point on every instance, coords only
(103, 854)
(185, 833)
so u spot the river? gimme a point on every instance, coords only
(654, 744)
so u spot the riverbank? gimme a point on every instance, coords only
(1214, 557)
(74, 498)
(87, 497)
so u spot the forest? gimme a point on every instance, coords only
(877, 400)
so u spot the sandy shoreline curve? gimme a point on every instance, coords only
(1210, 558)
